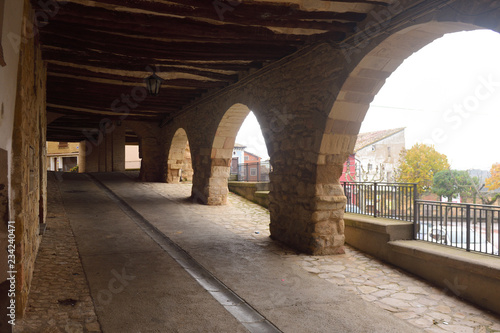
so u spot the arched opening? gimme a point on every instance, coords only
(222, 153)
(250, 162)
(364, 83)
(132, 151)
(366, 77)
(445, 95)
(180, 167)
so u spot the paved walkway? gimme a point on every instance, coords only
(59, 300)
(298, 293)
(402, 294)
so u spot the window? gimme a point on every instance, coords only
(253, 172)
(246, 157)
(388, 151)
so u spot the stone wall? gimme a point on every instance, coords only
(29, 173)
(255, 192)
(56, 148)
(11, 25)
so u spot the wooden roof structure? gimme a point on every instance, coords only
(99, 51)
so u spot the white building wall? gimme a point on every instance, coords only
(132, 160)
(378, 161)
(11, 20)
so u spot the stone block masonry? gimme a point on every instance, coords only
(292, 121)
(29, 180)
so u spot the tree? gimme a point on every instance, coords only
(493, 182)
(419, 164)
(451, 183)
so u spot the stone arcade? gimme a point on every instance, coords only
(73, 71)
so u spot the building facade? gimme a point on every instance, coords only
(62, 156)
(376, 156)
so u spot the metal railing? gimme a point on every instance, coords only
(468, 226)
(388, 200)
(251, 172)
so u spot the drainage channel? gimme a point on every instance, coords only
(235, 305)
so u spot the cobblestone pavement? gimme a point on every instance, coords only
(60, 299)
(406, 296)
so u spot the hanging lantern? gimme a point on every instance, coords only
(153, 84)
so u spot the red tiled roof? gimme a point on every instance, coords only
(366, 139)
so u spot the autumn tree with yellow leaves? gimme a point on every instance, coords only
(493, 182)
(419, 164)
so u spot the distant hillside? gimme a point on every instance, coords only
(481, 175)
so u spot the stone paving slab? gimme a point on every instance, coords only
(404, 295)
(137, 287)
(59, 300)
(284, 293)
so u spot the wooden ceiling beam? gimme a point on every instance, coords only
(147, 25)
(249, 15)
(137, 47)
(370, 2)
(266, 11)
(112, 61)
(98, 115)
(83, 74)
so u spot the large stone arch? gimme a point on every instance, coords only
(222, 152)
(179, 158)
(369, 65)
(361, 86)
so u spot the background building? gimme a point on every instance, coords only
(375, 156)
(62, 156)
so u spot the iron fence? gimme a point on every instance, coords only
(468, 226)
(251, 172)
(388, 200)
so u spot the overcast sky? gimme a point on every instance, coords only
(447, 94)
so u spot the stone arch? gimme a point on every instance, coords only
(179, 158)
(222, 152)
(365, 76)
(364, 82)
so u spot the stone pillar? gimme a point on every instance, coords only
(118, 148)
(306, 200)
(82, 157)
(104, 151)
(91, 153)
(152, 158)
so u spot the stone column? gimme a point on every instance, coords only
(306, 200)
(104, 151)
(152, 158)
(118, 148)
